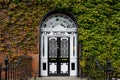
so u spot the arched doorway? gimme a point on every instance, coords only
(58, 44)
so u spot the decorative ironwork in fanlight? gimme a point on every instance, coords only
(53, 48)
(64, 48)
(57, 20)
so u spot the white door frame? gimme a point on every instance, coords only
(58, 29)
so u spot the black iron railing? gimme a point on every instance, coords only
(116, 74)
(16, 69)
(95, 70)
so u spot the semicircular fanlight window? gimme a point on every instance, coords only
(58, 19)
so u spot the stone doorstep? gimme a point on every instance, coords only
(58, 78)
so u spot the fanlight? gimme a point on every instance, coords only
(58, 20)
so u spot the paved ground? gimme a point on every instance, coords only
(58, 78)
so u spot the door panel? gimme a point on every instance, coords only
(52, 47)
(58, 58)
(64, 68)
(53, 68)
(64, 48)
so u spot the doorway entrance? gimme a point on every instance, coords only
(58, 45)
(58, 56)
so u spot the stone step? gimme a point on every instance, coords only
(58, 78)
(61, 78)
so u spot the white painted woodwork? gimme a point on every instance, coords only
(51, 28)
(53, 67)
(64, 68)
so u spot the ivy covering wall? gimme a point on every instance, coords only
(98, 20)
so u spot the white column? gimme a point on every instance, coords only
(46, 46)
(71, 46)
(76, 54)
(41, 46)
(73, 58)
(75, 46)
(71, 55)
(44, 59)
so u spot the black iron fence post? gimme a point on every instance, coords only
(109, 70)
(6, 66)
(16, 69)
(116, 75)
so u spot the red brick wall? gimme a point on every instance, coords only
(35, 64)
